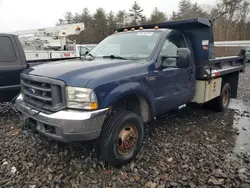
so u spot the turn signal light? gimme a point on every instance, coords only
(78, 28)
(93, 105)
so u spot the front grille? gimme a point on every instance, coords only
(43, 93)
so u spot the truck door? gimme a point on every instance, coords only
(175, 86)
(10, 68)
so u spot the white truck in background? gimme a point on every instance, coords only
(51, 42)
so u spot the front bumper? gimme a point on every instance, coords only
(66, 125)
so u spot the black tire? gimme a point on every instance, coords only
(109, 140)
(221, 103)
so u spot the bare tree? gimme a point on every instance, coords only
(241, 16)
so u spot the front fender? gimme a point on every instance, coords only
(128, 89)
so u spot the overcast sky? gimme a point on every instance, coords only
(33, 14)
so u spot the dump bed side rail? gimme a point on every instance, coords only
(225, 65)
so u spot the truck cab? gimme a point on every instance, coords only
(129, 78)
(12, 63)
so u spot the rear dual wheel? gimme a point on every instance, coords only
(221, 103)
(121, 138)
(226, 96)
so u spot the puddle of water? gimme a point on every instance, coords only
(239, 105)
(242, 123)
(243, 139)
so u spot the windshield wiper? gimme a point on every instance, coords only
(115, 57)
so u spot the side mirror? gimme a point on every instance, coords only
(183, 58)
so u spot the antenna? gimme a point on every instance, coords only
(216, 17)
(211, 45)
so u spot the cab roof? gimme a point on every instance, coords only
(194, 23)
(145, 30)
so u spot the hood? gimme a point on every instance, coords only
(79, 73)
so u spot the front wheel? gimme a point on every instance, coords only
(121, 138)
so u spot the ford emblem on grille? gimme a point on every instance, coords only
(32, 91)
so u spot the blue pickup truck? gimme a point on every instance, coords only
(129, 78)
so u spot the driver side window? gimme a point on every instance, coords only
(170, 48)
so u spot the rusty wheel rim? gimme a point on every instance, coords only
(127, 139)
(225, 99)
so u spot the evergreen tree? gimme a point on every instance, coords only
(87, 35)
(121, 17)
(232, 26)
(184, 9)
(68, 17)
(111, 21)
(144, 20)
(136, 14)
(76, 18)
(197, 11)
(174, 16)
(157, 16)
(100, 24)
(86, 18)
(60, 22)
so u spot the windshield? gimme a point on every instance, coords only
(127, 45)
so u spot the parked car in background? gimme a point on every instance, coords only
(12, 62)
(248, 54)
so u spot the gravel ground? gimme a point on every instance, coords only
(244, 85)
(191, 148)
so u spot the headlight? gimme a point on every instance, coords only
(81, 98)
